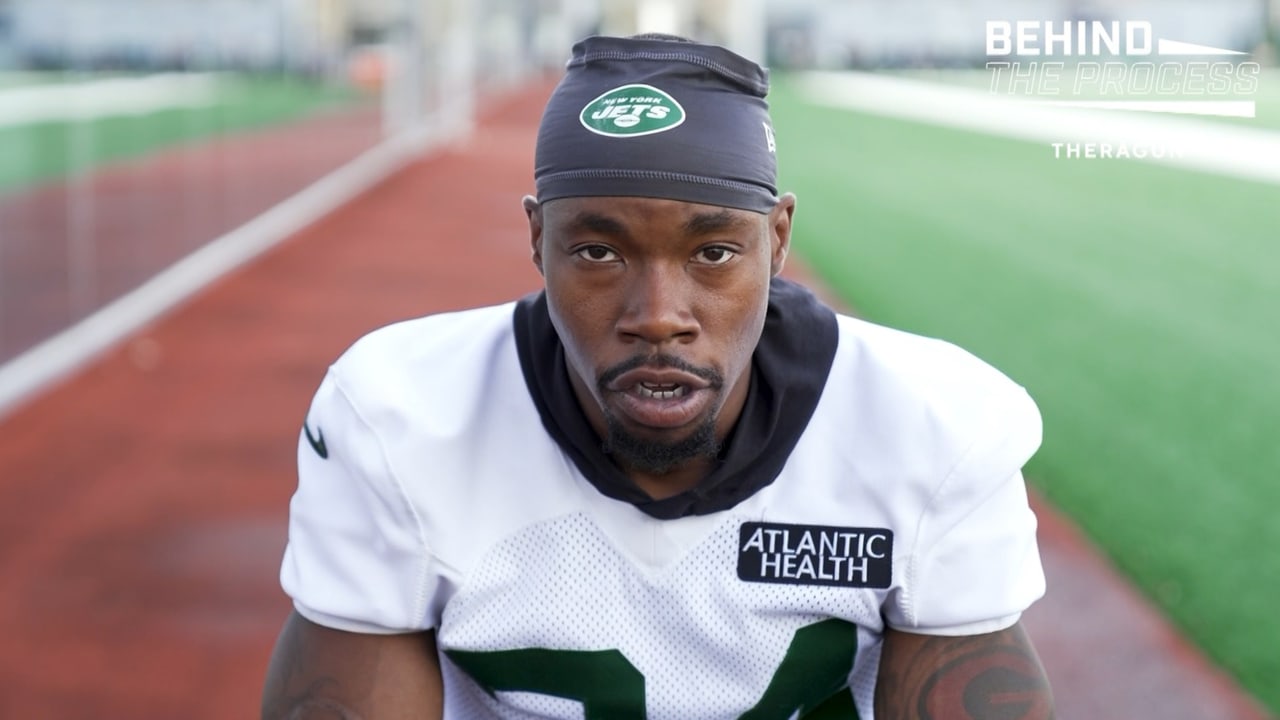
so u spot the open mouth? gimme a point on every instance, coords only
(660, 396)
(659, 391)
(662, 404)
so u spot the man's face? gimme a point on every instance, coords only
(659, 305)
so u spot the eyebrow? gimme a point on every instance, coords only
(713, 222)
(597, 223)
(700, 224)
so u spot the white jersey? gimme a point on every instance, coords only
(431, 498)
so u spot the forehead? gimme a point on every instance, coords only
(601, 214)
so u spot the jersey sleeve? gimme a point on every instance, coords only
(356, 558)
(974, 564)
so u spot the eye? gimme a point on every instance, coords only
(715, 255)
(596, 254)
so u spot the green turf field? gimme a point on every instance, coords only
(1136, 302)
(41, 151)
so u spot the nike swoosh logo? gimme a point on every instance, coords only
(317, 442)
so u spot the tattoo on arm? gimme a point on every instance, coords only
(985, 677)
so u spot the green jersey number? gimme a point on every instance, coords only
(811, 679)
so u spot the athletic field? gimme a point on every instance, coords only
(108, 179)
(146, 496)
(55, 124)
(1135, 301)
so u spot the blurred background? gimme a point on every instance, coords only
(95, 93)
(150, 147)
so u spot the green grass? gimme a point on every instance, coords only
(43, 151)
(1137, 304)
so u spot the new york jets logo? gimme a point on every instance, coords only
(632, 110)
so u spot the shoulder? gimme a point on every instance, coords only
(440, 360)
(921, 368)
(407, 420)
(928, 403)
(432, 338)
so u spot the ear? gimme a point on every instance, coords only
(780, 230)
(533, 211)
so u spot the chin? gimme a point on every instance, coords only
(658, 451)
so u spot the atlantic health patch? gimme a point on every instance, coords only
(815, 555)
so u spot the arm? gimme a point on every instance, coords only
(317, 673)
(977, 677)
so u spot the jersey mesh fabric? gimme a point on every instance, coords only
(706, 643)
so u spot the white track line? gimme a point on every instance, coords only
(1238, 152)
(27, 374)
(27, 104)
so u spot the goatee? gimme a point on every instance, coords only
(657, 457)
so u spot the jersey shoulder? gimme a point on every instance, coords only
(425, 426)
(928, 403)
(433, 368)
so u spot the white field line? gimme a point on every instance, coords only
(38, 368)
(27, 104)
(1238, 152)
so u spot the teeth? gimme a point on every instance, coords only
(660, 392)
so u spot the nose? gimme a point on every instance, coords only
(658, 306)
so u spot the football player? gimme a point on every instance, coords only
(670, 484)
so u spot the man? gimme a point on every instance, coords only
(671, 485)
